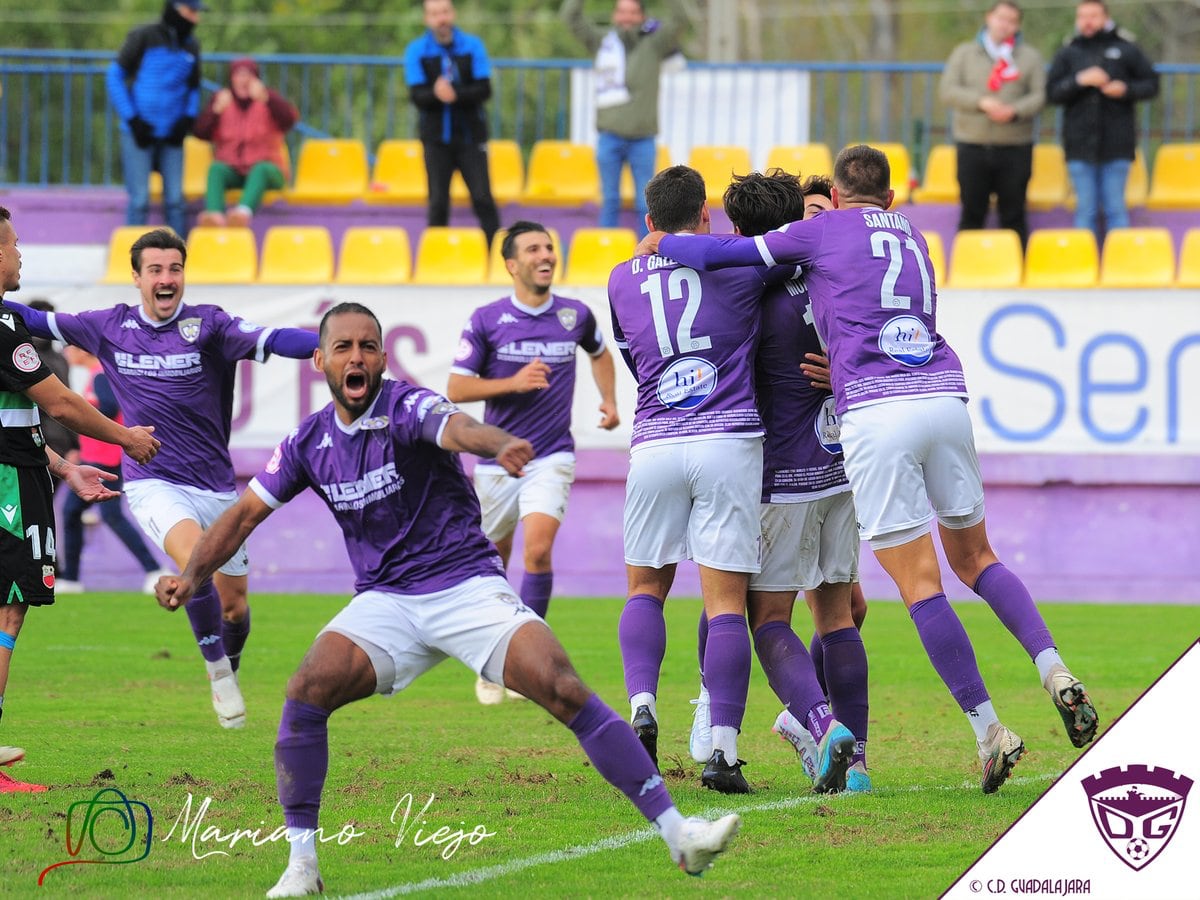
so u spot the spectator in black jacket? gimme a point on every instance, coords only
(449, 79)
(1098, 76)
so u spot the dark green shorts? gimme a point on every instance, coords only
(27, 540)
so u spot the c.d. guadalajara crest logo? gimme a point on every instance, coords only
(189, 329)
(1137, 810)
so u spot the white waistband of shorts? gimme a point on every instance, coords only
(785, 499)
(538, 462)
(694, 438)
(149, 483)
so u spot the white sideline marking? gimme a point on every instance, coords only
(488, 873)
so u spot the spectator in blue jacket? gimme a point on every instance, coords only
(449, 79)
(154, 89)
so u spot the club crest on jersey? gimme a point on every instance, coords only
(828, 427)
(1137, 810)
(26, 358)
(189, 329)
(567, 318)
(375, 423)
(907, 340)
(48, 576)
(687, 383)
(275, 460)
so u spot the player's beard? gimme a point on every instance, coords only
(356, 407)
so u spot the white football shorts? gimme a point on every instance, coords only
(160, 505)
(505, 500)
(807, 544)
(695, 500)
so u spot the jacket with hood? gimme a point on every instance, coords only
(247, 132)
(1097, 128)
(156, 74)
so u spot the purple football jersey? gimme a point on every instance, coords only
(802, 456)
(505, 336)
(176, 375)
(873, 296)
(408, 512)
(692, 338)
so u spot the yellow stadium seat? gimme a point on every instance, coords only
(330, 171)
(447, 255)
(594, 252)
(985, 259)
(801, 159)
(506, 172)
(297, 254)
(399, 174)
(1137, 188)
(498, 273)
(562, 173)
(718, 165)
(1137, 258)
(1189, 260)
(662, 160)
(1175, 178)
(937, 256)
(197, 157)
(901, 166)
(374, 256)
(1049, 185)
(1061, 258)
(120, 268)
(221, 256)
(941, 176)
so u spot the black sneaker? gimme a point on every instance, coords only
(646, 729)
(722, 777)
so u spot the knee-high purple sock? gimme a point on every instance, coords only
(535, 591)
(204, 614)
(949, 649)
(817, 652)
(790, 674)
(233, 635)
(1009, 599)
(727, 669)
(619, 757)
(702, 642)
(846, 668)
(642, 634)
(301, 761)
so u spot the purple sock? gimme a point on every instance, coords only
(817, 652)
(846, 668)
(702, 642)
(233, 636)
(949, 649)
(535, 591)
(642, 634)
(301, 761)
(619, 757)
(204, 613)
(791, 676)
(1009, 599)
(727, 669)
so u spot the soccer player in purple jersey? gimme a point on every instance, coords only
(174, 364)
(518, 356)
(906, 434)
(428, 585)
(695, 465)
(27, 546)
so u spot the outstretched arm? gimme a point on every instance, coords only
(533, 376)
(214, 549)
(605, 375)
(63, 404)
(86, 481)
(36, 320)
(708, 252)
(463, 434)
(294, 343)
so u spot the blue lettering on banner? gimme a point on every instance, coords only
(1088, 386)
(1173, 399)
(1060, 400)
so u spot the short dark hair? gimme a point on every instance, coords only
(1009, 3)
(675, 198)
(818, 184)
(757, 203)
(344, 309)
(158, 239)
(862, 174)
(508, 247)
(5, 215)
(40, 303)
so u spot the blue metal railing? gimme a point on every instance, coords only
(56, 127)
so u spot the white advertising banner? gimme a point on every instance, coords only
(1048, 372)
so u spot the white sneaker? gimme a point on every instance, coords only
(802, 742)
(998, 753)
(700, 743)
(227, 701)
(10, 755)
(90, 516)
(151, 580)
(487, 693)
(513, 695)
(701, 841)
(299, 879)
(67, 586)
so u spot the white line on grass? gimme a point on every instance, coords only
(489, 873)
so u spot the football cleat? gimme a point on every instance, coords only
(701, 841)
(1073, 704)
(299, 879)
(68, 586)
(646, 729)
(488, 693)
(723, 777)
(834, 755)
(802, 742)
(10, 755)
(999, 753)
(700, 741)
(857, 779)
(227, 701)
(10, 785)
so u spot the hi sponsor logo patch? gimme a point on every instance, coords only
(1137, 810)
(687, 383)
(907, 340)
